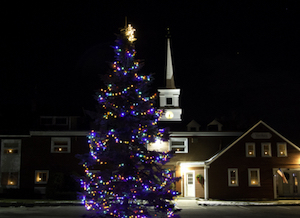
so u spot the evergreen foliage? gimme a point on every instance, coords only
(123, 178)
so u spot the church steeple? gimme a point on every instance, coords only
(169, 96)
(170, 84)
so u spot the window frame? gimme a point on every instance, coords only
(236, 183)
(11, 179)
(37, 172)
(285, 149)
(54, 121)
(168, 100)
(185, 144)
(250, 178)
(247, 149)
(263, 149)
(11, 150)
(56, 139)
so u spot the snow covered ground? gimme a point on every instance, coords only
(182, 202)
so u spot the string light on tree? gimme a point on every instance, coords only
(123, 178)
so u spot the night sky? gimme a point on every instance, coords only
(233, 60)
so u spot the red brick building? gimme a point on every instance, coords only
(42, 161)
(259, 164)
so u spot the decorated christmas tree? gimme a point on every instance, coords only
(123, 178)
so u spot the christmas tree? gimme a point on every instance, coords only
(123, 178)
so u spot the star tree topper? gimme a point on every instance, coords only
(129, 31)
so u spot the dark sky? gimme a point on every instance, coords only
(233, 60)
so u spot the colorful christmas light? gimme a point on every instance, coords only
(123, 178)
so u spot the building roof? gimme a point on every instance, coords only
(212, 159)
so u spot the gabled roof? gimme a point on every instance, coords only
(215, 122)
(212, 159)
(192, 124)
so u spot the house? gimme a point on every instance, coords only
(43, 161)
(192, 149)
(256, 164)
(259, 164)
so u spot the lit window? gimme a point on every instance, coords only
(295, 183)
(233, 177)
(250, 149)
(254, 177)
(266, 149)
(11, 151)
(60, 145)
(9, 179)
(179, 145)
(281, 149)
(11, 146)
(41, 176)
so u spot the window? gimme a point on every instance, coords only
(213, 127)
(61, 121)
(49, 120)
(295, 183)
(194, 129)
(250, 149)
(169, 101)
(281, 149)
(233, 177)
(190, 178)
(266, 149)
(253, 177)
(179, 145)
(10, 162)
(60, 145)
(10, 150)
(11, 146)
(10, 179)
(46, 120)
(41, 176)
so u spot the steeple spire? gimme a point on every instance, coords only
(169, 69)
(169, 96)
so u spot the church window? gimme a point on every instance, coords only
(179, 145)
(169, 101)
(266, 149)
(41, 176)
(254, 177)
(60, 145)
(233, 177)
(250, 149)
(10, 179)
(281, 149)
